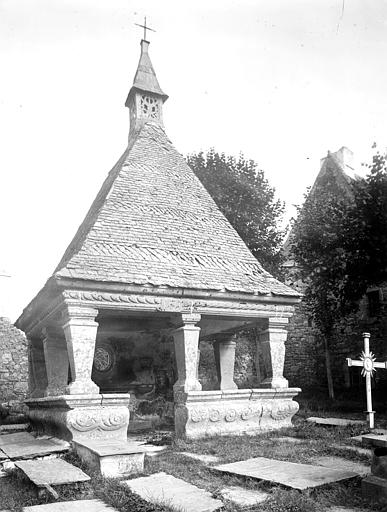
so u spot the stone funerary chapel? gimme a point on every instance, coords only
(153, 269)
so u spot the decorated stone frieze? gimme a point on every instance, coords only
(71, 417)
(239, 414)
(175, 305)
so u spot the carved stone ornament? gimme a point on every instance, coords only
(87, 422)
(215, 415)
(248, 413)
(231, 415)
(112, 297)
(103, 359)
(283, 411)
(198, 415)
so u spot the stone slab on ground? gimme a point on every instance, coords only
(166, 489)
(335, 422)
(378, 440)
(17, 437)
(34, 448)
(152, 450)
(290, 474)
(17, 427)
(72, 506)
(243, 497)
(207, 459)
(344, 464)
(51, 472)
(288, 439)
(344, 509)
(374, 488)
(112, 458)
(357, 449)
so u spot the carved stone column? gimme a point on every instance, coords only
(224, 351)
(57, 361)
(186, 340)
(37, 376)
(272, 340)
(80, 329)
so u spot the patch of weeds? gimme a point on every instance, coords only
(160, 438)
(288, 501)
(345, 494)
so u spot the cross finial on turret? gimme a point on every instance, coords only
(145, 27)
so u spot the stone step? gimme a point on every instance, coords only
(72, 506)
(374, 440)
(112, 458)
(164, 489)
(290, 474)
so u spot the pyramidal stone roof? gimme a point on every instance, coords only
(153, 223)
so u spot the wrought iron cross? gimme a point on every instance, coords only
(145, 27)
(367, 361)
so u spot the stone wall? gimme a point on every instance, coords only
(13, 365)
(305, 363)
(302, 360)
(245, 375)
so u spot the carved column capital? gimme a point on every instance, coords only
(78, 314)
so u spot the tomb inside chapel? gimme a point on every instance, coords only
(154, 284)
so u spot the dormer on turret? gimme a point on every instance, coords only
(145, 99)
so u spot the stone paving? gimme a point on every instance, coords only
(243, 497)
(342, 464)
(290, 474)
(51, 472)
(335, 422)
(72, 506)
(207, 459)
(162, 488)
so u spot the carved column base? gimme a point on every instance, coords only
(272, 382)
(81, 417)
(233, 412)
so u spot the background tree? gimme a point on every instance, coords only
(339, 241)
(245, 197)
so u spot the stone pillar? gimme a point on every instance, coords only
(272, 340)
(186, 340)
(224, 351)
(37, 376)
(80, 329)
(57, 361)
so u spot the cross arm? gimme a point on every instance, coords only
(351, 362)
(381, 365)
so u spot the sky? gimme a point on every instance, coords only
(281, 81)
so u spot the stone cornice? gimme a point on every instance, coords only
(50, 301)
(156, 303)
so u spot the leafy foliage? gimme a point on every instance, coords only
(245, 197)
(339, 242)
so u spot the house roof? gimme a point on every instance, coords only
(153, 223)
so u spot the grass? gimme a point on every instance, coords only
(315, 441)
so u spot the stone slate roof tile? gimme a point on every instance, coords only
(153, 223)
